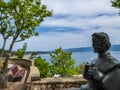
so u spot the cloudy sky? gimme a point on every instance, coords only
(73, 22)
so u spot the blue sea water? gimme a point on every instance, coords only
(81, 57)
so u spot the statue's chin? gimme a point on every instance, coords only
(99, 51)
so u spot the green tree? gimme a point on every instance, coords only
(21, 52)
(33, 55)
(5, 25)
(43, 66)
(81, 67)
(23, 16)
(62, 63)
(116, 4)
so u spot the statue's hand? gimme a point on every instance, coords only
(85, 72)
(94, 75)
(90, 74)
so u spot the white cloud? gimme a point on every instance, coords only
(84, 15)
(80, 7)
(50, 41)
(85, 23)
(87, 16)
(64, 40)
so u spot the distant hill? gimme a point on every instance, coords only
(88, 49)
(80, 49)
(38, 52)
(29, 52)
(115, 48)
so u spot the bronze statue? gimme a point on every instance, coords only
(104, 72)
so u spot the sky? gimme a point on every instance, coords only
(73, 23)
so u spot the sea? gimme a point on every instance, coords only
(81, 57)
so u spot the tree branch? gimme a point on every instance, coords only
(19, 40)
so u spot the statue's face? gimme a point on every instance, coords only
(100, 42)
(97, 45)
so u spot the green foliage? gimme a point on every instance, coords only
(33, 55)
(82, 66)
(21, 52)
(62, 63)
(78, 69)
(43, 66)
(116, 4)
(19, 19)
(5, 25)
(27, 15)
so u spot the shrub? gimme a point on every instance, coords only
(21, 52)
(43, 66)
(62, 63)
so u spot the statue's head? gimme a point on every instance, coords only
(101, 42)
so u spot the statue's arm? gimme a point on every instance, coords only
(97, 75)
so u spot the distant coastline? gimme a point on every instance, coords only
(89, 49)
(79, 49)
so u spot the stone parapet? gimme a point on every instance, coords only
(56, 83)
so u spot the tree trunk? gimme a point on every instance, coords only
(3, 71)
(3, 83)
(3, 47)
(5, 64)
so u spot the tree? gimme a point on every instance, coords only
(21, 52)
(5, 25)
(33, 55)
(43, 66)
(23, 16)
(82, 67)
(62, 63)
(116, 4)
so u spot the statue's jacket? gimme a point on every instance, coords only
(110, 67)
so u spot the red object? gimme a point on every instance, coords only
(16, 72)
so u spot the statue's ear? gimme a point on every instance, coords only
(106, 46)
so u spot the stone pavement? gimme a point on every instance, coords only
(72, 89)
(14, 86)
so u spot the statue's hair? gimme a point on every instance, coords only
(104, 38)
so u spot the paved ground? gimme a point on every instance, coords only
(14, 86)
(72, 89)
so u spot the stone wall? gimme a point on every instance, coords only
(56, 83)
(25, 63)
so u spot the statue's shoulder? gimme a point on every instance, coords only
(113, 61)
(106, 63)
(111, 80)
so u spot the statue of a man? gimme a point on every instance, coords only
(104, 72)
